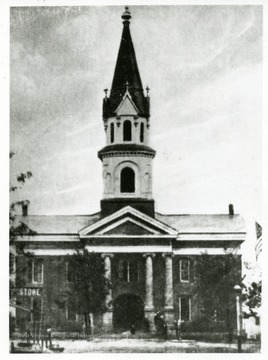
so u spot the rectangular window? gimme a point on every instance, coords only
(128, 271)
(36, 308)
(133, 271)
(69, 273)
(70, 312)
(11, 264)
(37, 271)
(23, 311)
(185, 308)
(184, 270)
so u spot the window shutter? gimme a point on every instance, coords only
(30, 271)
(192, 270)
(120, 270)
(179, 270)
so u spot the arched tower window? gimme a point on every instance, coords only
(112, 133)
(127, 131)
(142, 132)
(127, 180)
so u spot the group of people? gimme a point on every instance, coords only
(161, 326)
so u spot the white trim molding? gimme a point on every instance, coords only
(209, 251)
(128, 211)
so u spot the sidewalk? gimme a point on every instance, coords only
(100, 345)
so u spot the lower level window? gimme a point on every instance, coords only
(185, 308)
(23, 315)
(36, 308)
(29, 309)
(70, 312)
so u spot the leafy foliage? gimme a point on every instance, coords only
(18, 228)
(252, 299)
(217, 275)
(90, 285)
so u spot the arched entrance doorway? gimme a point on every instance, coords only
(128, 310)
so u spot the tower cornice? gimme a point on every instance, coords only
(126, 150)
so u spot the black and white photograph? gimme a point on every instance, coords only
(135, 177)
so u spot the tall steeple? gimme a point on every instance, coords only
(126, 72)
(126, 158)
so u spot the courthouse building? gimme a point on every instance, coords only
(149, 257)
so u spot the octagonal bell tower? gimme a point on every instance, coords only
(127, 157)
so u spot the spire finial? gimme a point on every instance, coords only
(126, 15)
(105, 90)
(147, 90)
(126, 85)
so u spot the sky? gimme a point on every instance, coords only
(203, 65)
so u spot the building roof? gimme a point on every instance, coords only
(126, 76)
(58, 224)
(206, 223)
(72, 224)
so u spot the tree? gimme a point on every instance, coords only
(17, 228)
(216, 277)
(89, 284)
(252, 299)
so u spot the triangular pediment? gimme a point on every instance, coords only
(128, 222)
(127, 106)
(128, 228)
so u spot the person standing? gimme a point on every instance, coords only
(132, 329)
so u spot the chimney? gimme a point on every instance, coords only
(231, 209)
(24, 209)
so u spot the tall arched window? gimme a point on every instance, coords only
(127, 180)
(123, 270)
(112, 133)
(127, 131)
(142, 132)
(128, 271)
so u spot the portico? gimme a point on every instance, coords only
(141, 238)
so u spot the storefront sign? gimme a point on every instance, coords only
(29, 292)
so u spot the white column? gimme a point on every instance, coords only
(108, 272)
(108, 315)
(168, 282)
(149, 304)
(107, 264)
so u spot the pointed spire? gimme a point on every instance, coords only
(126, 70)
